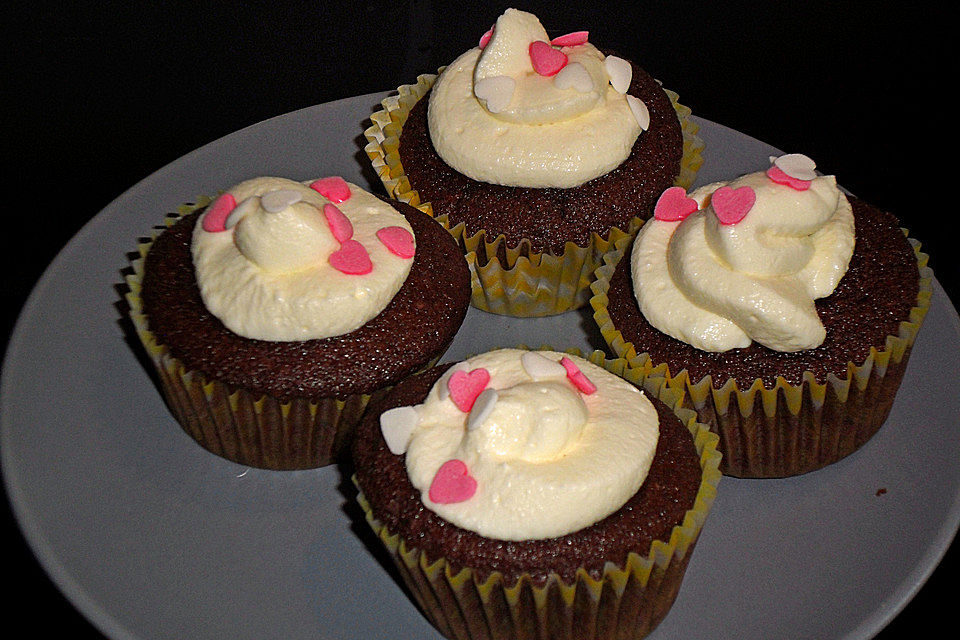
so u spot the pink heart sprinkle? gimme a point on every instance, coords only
(465, 387)
(571, 39)
(778, 175)
(334, 188)
(674, 205)
(397, 240)
(339, 224)
(546, 60)
(485, 38)
(215, 220)
(577, 377)
(732, 205)
(352, 259)
(452, 483)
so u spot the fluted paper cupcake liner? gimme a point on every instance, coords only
(249, 428)
(624, 602)
(789, 429)
(509, 280)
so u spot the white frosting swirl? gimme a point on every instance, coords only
(718, 286)
(547, 459)
(493, 118)
(268, 276)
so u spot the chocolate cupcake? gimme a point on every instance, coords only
(536, 494)
(538, 155)
(784, 309)
(276, 312)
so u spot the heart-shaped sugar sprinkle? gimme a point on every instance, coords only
(241, 210)
(577, 377)
(732, 205)
(333, 188)
(215, 219)
(496, 92)
(639, 110)
(571, 39)
(397, 426)
(485, 38)
(546, 60)
(339, 224)
(279, 199)
(398, 241)
(619, 71)
(352, 259)
(482, 408)
(776, 174)
(452, 483)
(540, 367)
(575, 76)
(674, 205)
(465, 387)
(797, 165)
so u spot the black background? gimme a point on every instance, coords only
(99, 95)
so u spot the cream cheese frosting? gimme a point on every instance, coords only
(504, 114)
(747, 264)
(526, 444)
(280, 260)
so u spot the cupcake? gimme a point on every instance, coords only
(275, 313)
(783, 308)
(538, 154)
(536, 494)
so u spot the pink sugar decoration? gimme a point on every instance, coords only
(674, 205)
(485, 38)
(778, 175)
(732, 205)
(339, 224)
(452, 483)
(215, 219)
(571, 39)
(546, 60)
(333, 188)
(464, 387)
(577, 377)
(352, 259)
(398, 241)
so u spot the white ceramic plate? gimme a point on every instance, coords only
(152, 537)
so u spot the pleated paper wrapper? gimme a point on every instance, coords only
(513, 281)
(789, 429)
(626, 601)
(247, 427)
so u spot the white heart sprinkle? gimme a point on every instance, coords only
(540, 367)
(575, 76)
(276, 201)
(620, 72)
(482, 407)
(640, 111)
(397, 426)
(496, 92)
(239, 212)
(797, 165)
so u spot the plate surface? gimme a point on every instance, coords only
(152, 537)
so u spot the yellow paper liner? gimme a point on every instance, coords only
(627, 601)
(786, 430)
(249, 428)
(509, 280)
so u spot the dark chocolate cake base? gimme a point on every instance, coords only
(550, 217)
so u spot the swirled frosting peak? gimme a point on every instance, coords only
(520, 445)
(281, 260)
(744, 261)
(525, 110)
